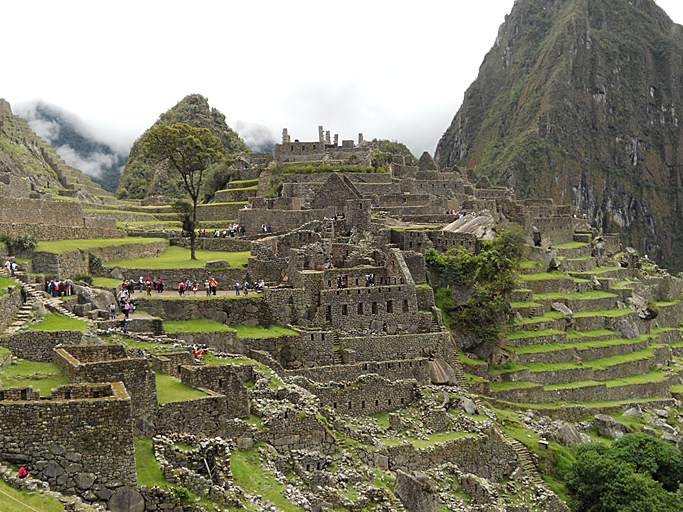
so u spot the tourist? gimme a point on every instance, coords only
(69, 286)
(23, 472)
(207, 287)
(246, 287)
(237, 288)
(214, 286)
(194, 288)
(126, 309)
(161, 285)
(24, 295)
(141, 282)
(181, 288)
(149, 289)
(14, 267)
(112, 311)
(8, 266)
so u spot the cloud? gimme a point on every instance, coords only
(95, 164)
(258, 137)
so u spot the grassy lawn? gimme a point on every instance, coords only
(524, 304)
(60, 246)
(580, 345)
(43, 376)
(543, 276)
(57, 322)
(258, 331)
(170, 389)
(195, 325)
(250, 474)
(571, 245)
(437, 437)
(4, 283)
(577, 295)
(24, 501)
(531, 264)
(604, 312)
(105, 281)
(146, 466)
(598, 364)
(179, 257)
(499, 386)
(514, 335)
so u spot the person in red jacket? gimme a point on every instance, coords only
(23, 473)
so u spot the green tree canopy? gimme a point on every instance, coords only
(189, 152)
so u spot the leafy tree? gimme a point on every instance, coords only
(189, 152)
(618, 479)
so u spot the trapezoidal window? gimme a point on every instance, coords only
(345, 309)
(390, 306)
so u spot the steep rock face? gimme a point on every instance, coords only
(580, 100)
(140, 178)
(23, 154)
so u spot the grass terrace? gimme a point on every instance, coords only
(4, 283)
(436, 437)
(611, 313)
(60, 246)
(543, 276)
(170, 389)
(14, 500)
(105, 281)
(43, 376)
(595, 294)
(195, 325)
(57, 322)
(179, 257)
(571, 245)
(578, 346)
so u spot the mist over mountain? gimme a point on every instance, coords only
(76, 142)
(579, 100)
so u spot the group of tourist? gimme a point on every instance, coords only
(369, 279)
(338, 216)
(258, 287)
(341, 282)
(198, 352)
(266, 228)
(11, 266)
(459, 215)
(60, 288)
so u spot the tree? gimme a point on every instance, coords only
(189, 151)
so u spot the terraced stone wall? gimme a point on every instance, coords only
(203, 417)
(400, 346)
(417, 369)
(135, 373)
(280, 220)
(221, 379)
(225, 278)
(221, 211)
(36, 345)
(369, 394)
(230, 244)
(10, 303)
(249, 310)
(77, 442)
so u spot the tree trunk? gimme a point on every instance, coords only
(194, 229)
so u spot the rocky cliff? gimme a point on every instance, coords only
(141, 178)
(23, 154)
(580, 100)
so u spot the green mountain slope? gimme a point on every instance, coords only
(580, 100)
(141, 178)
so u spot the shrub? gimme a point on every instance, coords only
(86, 278)
(21, 244)
(182, 494)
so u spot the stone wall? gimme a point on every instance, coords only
(221, 379)
(222, 211)
(69, 263)
(249, 310)
(106, 363)
(400, 346)
(9, 306)
(77, 443)
(369, 394)
(36, 345)
(229, 244)
(404, 369)
(203, 417)
(280, 220)
(225, 278)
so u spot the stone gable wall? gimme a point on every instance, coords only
(36, 345)
(80, 446)
(203, 417)
(221, 379)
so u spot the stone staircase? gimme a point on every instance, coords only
(34, 294)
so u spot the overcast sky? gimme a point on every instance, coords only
(390, 69)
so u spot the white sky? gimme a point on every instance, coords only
(390, 69)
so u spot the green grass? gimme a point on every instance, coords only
(499, 386)
(579, 345)
(13, 500)
(576, 295)
(549, 315)
(530, 264)
(594, 332)
(250, 474)
(571, 245)
(195, 325)
(60, 246)
(543, 276)
(251, 187)
(531, 334)
(57, 322)
(105, 281)
(466, 360)
(437, 437)
(179, 257)
(258, 331)
(611, 313)
(43, 376)
(170, 389)
(4, 283)
(597, 364)
(244, 182)
(524, 304)
(146, 466)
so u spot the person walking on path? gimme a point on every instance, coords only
(237, 288)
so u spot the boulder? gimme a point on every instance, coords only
(626, 328)
(468, 405)
(440, 372)
(417, 493)
(116, 273)
(568, 436)
(217, 264)
(633, 411)
(100, 299)
(561, 308)
(126, 499)
(39, 308)
(609, 427)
